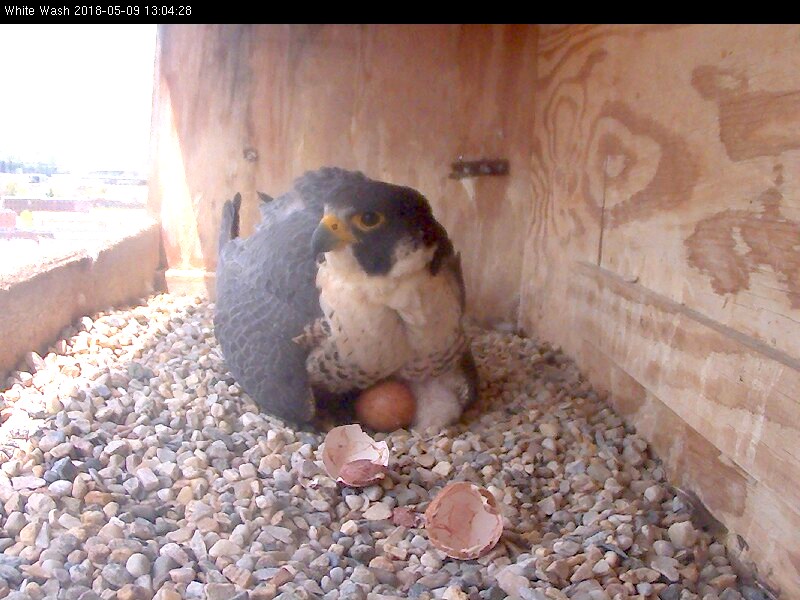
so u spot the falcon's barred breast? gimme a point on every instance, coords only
(347, 281)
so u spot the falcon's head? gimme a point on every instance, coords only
(387, 229)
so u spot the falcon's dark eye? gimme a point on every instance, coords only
(368, 220)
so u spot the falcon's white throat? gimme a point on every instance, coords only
(405, 323)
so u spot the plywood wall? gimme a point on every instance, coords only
(664, 252)
(246, 108)
(650, 224)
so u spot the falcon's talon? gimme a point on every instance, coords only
(302, 340)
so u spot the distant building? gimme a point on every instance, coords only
(18, 204)
(9, 165)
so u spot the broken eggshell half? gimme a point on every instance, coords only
(353, 457)
(463, 521)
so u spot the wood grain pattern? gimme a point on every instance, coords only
(397, 102)
(664, 252)
(695, 163)
(700, 204)
(726, 430)
(760, 528)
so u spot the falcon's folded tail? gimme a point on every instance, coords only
(229, 229)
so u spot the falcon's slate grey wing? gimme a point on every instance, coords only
(266, 295)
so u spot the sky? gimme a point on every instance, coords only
(77, 94)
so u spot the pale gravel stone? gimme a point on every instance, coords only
(461, 446)
(138, 564)
(182, 575)
(120, 447)
(166, 593)
(682, 535)
(426, 460)
(431, 561)
(198, 545)
(512, 582)
(443, 468)
(51, 439)
(14, 523)
(601, 567)
(176, 553)
(224, 548)
(582, 573)
(566, 547)
(29, 532)
(116, 575)
(377, 512)
(667, 566)
(655, 493)
(453, 593)
(663, 548)
(60, 488)
(27, 482)
(354, 502)
(349, 528)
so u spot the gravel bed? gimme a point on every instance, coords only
(133, 467)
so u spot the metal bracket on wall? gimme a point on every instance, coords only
(479, 168)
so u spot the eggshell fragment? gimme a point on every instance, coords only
(405, 517)
(361, 470)
(386, 406)
(353, 457)
(463, 521)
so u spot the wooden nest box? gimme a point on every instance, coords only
(648, 221)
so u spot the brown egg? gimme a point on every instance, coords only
(386, 406)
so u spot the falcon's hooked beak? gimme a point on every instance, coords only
(331, 234)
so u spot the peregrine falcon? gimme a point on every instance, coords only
(346, 282)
